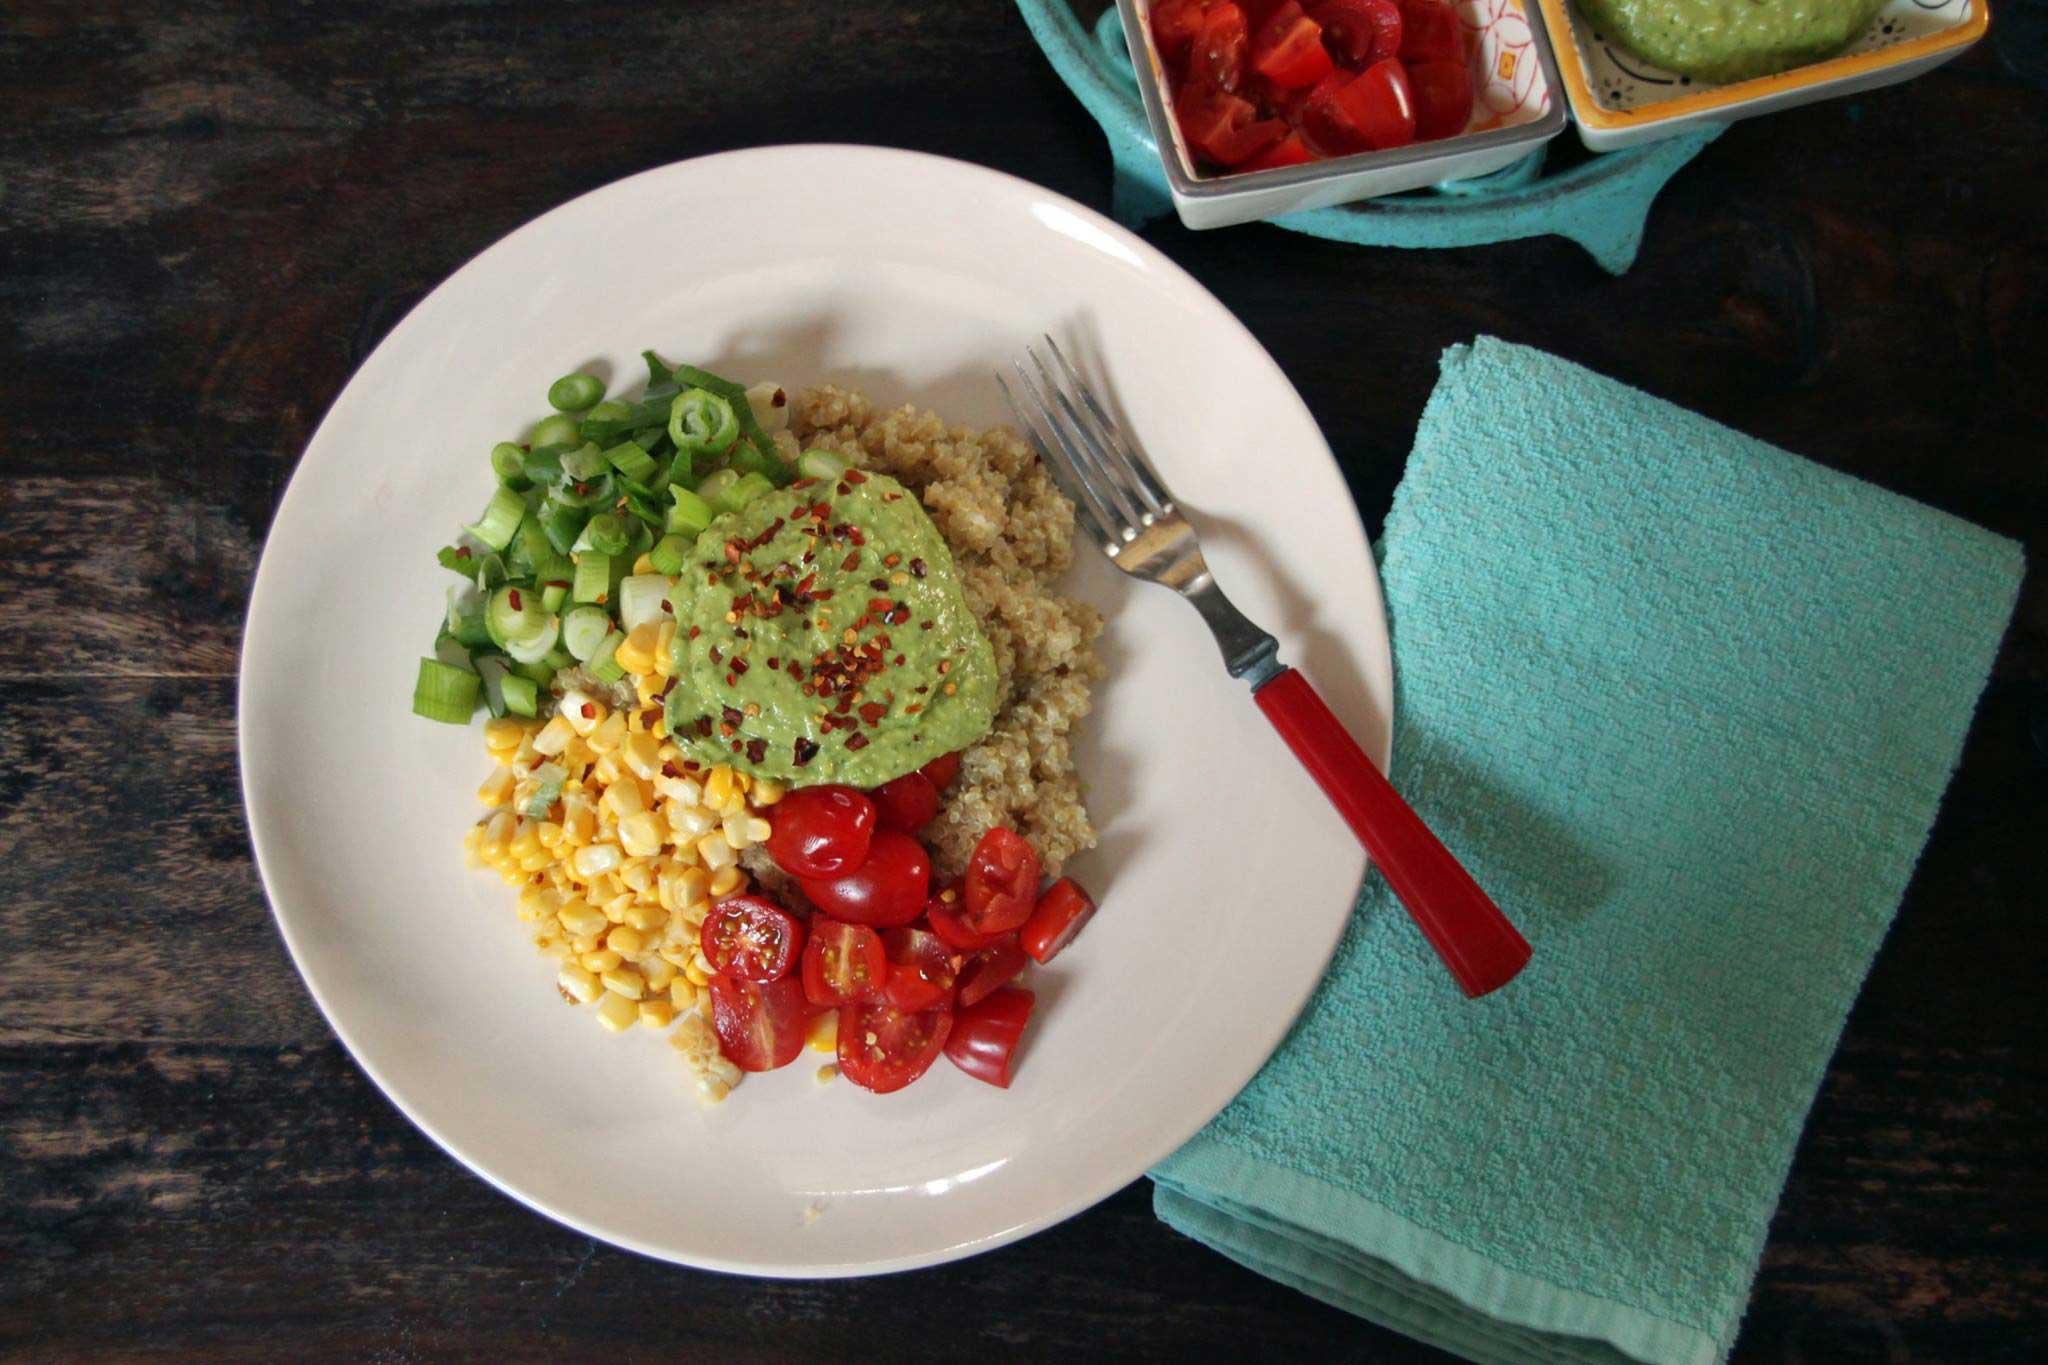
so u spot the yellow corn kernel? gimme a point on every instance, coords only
(497, 833)
(647, 687)
(503, 732)
(657, 1013)
(584, 714)
(550, 835)
(664, 644)
(617, 1013)
(624, 980)
(715, 851)
(640, 834)
(827, 1074)
(621, 799)
(553, 738)
(735, 830)
(766, 792)
(644, 564)
(535, 904)
(712, 1090)
(689, 823)
(577, 985)
(600, 960)
(645, 917)
(727, 881)
(585, 944)
(594, 860)
(616, 906)
(641, 754)
(659, 971)
(720, 786)
(682, 992)
(536, 861)
(525, 841)
(823, 1034)
(497, 788)
(607, 737)
(511, 873)
(696, 975)
(605, 769)
(579, 823)
(626, 941)
(636, 874)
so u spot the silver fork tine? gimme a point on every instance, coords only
(1152, 492)
(1100, 462)
(1084, 503)
(1095, 485)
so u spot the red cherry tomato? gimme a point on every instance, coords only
(1222, 127)
(1443, 98)
(883, 1049)
(1323, 125)
(888, 889)
(908, 803)
(984, 1038)
(995, 965)
(1289, 50)
(941, 771)
(1216, 59)
(821, 831)
(1381, 105)
(1430, 32)
(946, 913)
(921, 970)
(1360, 32)
(1174, 26)
(843, 963)
(1288, 151)
(1001, 888)
(750, 939)
(1061, 912)
(760, 1027)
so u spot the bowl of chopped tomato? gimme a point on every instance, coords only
(1265, 107)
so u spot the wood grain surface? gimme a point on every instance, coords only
(211, 212)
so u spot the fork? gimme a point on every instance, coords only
(1124, 506)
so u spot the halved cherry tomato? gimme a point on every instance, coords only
(1002, 882)
(921, 970)
(1289, 50)
(883, 1049)
(1216, 60)
(1430, 32)
(1288, 151)
(1061, 912)
(821, 831)
(888, 889)
(760, 1027)
(1222, 127)
(843, 963)
(1359, 32)
(941, 771)
(984, 1037)
(750, 939)
(995, 965)
(1443, 98)
(1380, 104)
(1323, 125)
(946, 913)
(1174, 26)
(907, 803)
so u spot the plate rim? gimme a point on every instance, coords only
(1375, 664)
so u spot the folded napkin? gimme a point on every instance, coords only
(1685, 704)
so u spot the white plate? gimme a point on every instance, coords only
(1224, 879)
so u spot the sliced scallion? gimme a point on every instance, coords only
(445, 692)
(745, 489)
(641, 599)
(824, 465)
(583, 629)
(540, 646)
(508, 462)
(593, 582)
(574, 392)
(457, 558)
(604, 663)
(669, 554)
(501, 518)
(516, 617)
(465, 620)
(492, 671)
(556, 429)
(562, 523)
(632, 461)
(585, 462)
(548, 779)
(607, 533)
(522, 694)
(702, 423)
(714, 487)
(610, 410)
(543, 465)
(736, 395)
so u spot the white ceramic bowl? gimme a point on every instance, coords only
(1515, 110)
(1224, 878)
(1619, 100)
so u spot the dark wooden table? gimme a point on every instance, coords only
(210, 213)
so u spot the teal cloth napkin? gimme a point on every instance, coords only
(1685, 704)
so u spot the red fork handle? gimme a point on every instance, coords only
(1465, 927)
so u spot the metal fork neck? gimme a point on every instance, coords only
(1248, 652)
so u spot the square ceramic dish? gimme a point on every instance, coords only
(1620, 100)
(1515, 110)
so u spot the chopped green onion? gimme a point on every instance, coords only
(508, 462)
(744, 411)
(610, 410)
(604, 662)
(465, 620)
(702, 423)
(515, 616)
(540, 671)
(607, 533)
(492, 671)
(597, 492)
(643, 598)
(543, 464)
(445, 692)
(669, 555)
(540, 646)
(458, 558)
(522, 694)
(583, 628)
(584, 463)
(450, 650)
(552, 576)
(593, 582)
(574, 392)
(689, 514)
(529, 547)
(631, 460)
(563, 524)
(548, 779)
(556, 430)
(826, 465)
(715, 487)
(491, 572)
(500, 519)
(745, 489)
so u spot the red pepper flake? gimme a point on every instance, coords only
(739, 666)
(773, 663)
(731, 714)
(850, 563)
(717, 655)
(842, 490)
(669, 770)
(757, 749)
(820, 511)
(855, 476)
(917, 567)
(857, 741)
(462, 552)
(804, 750)
(731, 681)
(892, 497)
(873, 712)
(898, 616)
(666, 607)
(891, 560)
(735, 746)
(589, 710)
(913, 708)
(695, 631)
(801, 483)
(898, 661)
(879, 584)
(880, 605)
(517, 605)
(945, 667)
(649, 716)
(924, 625)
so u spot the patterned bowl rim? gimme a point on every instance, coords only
(1587, 108)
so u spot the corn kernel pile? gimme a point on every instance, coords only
(617, 871)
